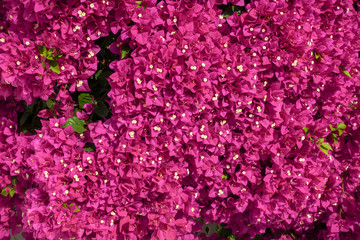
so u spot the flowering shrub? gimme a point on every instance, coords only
(125, 119)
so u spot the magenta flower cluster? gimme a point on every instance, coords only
(250, 119)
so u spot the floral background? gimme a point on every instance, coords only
(176, 119)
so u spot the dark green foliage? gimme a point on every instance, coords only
(229, 9)
(28, 120)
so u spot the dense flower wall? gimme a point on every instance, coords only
(125, 119)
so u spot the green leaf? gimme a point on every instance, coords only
(76, 123)
(347, 73)
(50, 55)
(64, 205)
(50, 58)
(56, 56)
(54, 66)
(340, 132)
(306, 130)
(12, 192)
(13, 182)
(85, 98)
(332, 128)
(50, 103)
(292, 235)
(326, 145)
(42, 50)
(125, 49)
(317, 55)
(225, 176)
(334, 137)
(97, 74)
(138, 3)
(77, 210)
(4, 192)
(88, 149)
(324, 150)
(50, 51)
(101, 109)
(321, 140)
(341, 126)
